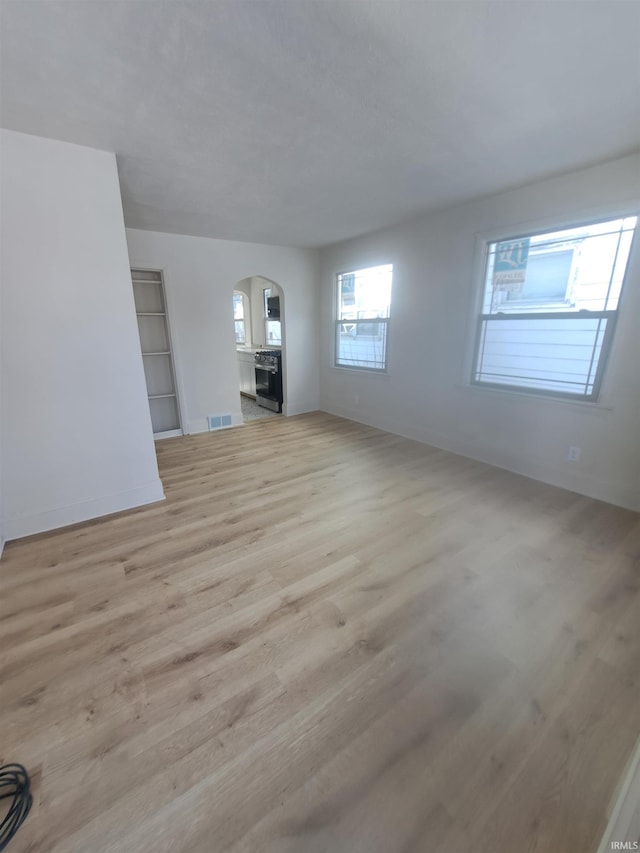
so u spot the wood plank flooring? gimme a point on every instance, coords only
(328, 639)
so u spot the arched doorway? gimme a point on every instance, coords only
(260, 341)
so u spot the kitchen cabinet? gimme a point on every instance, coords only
(247, 373)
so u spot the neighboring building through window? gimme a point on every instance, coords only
(238, 317)
(549, 309)
(362, 317)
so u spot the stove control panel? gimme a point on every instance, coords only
(268, 356)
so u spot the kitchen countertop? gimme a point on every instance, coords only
(258, 349)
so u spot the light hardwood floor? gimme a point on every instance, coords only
(327, 638)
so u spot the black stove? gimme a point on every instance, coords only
(269, 379)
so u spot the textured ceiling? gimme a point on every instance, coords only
(304, 123)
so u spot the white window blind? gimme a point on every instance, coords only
(549, 309)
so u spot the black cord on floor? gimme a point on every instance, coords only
(14, 784)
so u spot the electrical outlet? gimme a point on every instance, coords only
(574, 454)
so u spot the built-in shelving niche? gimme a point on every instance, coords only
(153, 326)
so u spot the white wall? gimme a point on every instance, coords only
(425, 394)
(200, 275)
(2, 518)
(257, 310)
(76, 431)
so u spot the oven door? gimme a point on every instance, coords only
(268, 385)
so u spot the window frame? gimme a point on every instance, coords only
(338, 321)
(267, 292)
(610, 316)
(538, 228)
(245, 304)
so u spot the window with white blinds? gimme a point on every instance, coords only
(549, 309)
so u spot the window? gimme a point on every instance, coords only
(238, 317)
(272, 328)
(549, 309)
(362, 317)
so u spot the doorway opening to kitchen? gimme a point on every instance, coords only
(259, 334)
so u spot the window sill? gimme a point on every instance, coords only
(358, 371)
(580, 405)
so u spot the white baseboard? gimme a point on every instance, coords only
(202, 424)
(199, 425)
(296, 408)
(171, 433)
(624, 820)
(577, 482)
(27, 525)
